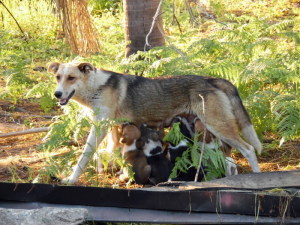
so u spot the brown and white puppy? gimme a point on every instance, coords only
(156, 102)
(133, 155)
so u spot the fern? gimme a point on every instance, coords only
(279, 27)
(287, 113)
(43, 92)
(226, 70)
(214, 163)
(182, 164)
(174, 136)
(195, 151)
(71, 125)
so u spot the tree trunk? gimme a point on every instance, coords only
(138, 20)
(78, 27)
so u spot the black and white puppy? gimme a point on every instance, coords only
(176, 151)
(151, 144)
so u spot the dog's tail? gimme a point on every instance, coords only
(240, 112)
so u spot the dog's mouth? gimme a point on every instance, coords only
(64, 101)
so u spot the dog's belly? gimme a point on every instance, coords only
(157, 118)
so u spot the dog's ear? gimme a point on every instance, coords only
(85, 67)
(53, 67)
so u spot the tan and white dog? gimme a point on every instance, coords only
(155, 102)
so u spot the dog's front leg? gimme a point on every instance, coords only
(89, 149)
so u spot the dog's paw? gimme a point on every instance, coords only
(69, 180)
(123, 178)
(36, 180)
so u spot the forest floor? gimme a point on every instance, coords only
(21, 160)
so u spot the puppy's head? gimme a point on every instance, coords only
(129, 133)
(150, 141)
(70, 78)
(186, 128)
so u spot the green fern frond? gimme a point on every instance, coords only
(226, 70)
(174, 136)
(195, 150)
(214, 163)
(279, 27)
(238, 19)
(287, 114)
(291, 35)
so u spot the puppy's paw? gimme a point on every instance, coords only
(231, 168)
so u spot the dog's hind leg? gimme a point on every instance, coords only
(89, 149)
(219, 119)
(247, 150)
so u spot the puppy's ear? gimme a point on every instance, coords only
(154, 136)
(140, 143)
(85, 67)
(53, 67)
(176, 120)
(161, 133)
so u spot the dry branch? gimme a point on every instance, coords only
(203, 143)
(26, 116)
(24, 35)
(29, 131)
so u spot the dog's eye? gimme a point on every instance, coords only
(71, 78)
(57, 77)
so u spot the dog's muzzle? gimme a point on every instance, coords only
(63, 101)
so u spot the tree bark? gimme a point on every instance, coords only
(78, 26)
(138, 20)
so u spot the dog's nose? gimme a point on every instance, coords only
(58, 94)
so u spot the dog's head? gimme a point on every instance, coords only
(69, 78)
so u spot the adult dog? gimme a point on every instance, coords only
(155, 102)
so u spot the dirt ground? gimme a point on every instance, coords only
(20, 159)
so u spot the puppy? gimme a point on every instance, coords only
(133, 155)
(176, 151)
(151, 145)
